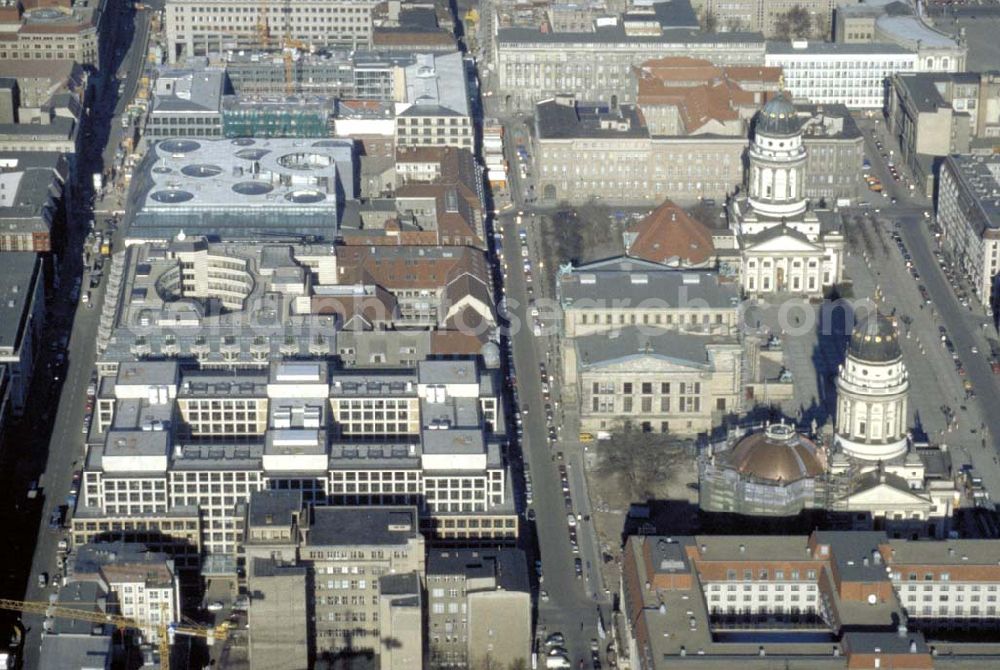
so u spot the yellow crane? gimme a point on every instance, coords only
(263, 29)
(165, 631)
(288, 45)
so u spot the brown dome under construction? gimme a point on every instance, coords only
(778, 453)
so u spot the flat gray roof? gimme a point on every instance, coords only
(558, 121)
(912, 29)
(243, 188)
(946, 552)
(274, 508)
(980, 175)
(406, 584)
(616, 35)
(81, 650)
(189, 91)
(154, 373)
(460, 441)
(629, 282)
(438, 81)
(844, 48)
(375, 525)
(508, 566)
(854, 554)
(447, 372)
(17, 291)
(635, 342)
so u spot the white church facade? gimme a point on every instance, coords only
(785, 247)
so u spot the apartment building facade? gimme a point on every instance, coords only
(350, 552)
(969, 216)
(59, 31)
(876, 597)
(22, 291)
(837, 73)
(933, 115)
(478, 607)
(168, 442)
(198, 29)
(357, 570)
(240, 305)
(764, 15)
(587, 151)
(435, 110)
(37, 198)
(533, 66)
(144, 584)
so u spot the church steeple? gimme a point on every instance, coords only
(777, 162)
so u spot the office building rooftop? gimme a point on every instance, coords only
(242, 188)
(436, 82)
(365, 526)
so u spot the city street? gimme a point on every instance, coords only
(32, 452)
(571, 608)
(967, 327)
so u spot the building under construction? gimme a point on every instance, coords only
(778, 472)
(293, 116)
(338, 73)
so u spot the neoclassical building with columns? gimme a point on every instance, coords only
(872, 390)
(868, 472)
(785, 246)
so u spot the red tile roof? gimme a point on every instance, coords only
(669, 235)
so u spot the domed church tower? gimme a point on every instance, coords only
(778, 162)
(785, 246)
(872, 387)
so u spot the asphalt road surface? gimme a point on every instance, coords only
(965, 325)
(52, 457)
(569, 609)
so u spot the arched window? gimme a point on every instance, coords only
(781, 184)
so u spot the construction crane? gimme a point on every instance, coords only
(165, 631)
(263, 29)
(288, 46)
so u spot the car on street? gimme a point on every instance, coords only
(216, 606)
(555, 639)
(578, 567)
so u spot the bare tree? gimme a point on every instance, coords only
(710, 21)
(793, 24)
(640, 460)
(823, 26)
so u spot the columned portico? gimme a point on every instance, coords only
(785, 247)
